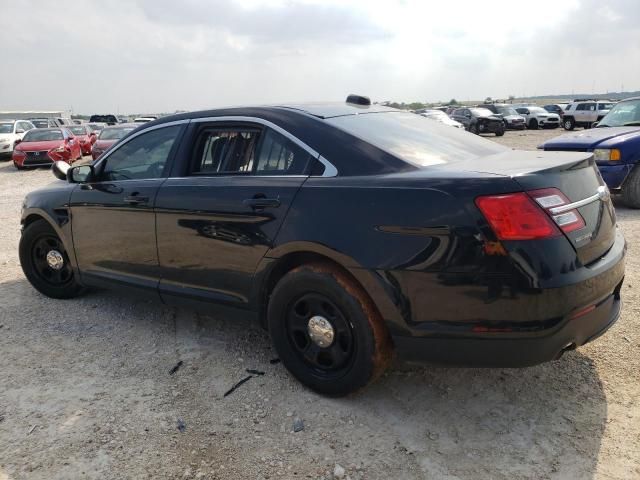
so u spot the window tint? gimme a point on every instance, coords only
(280, 156)
(416, 139)
(568, 108)
(143, 157)
(582, 106)
(225, 150)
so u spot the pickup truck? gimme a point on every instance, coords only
(615, 143)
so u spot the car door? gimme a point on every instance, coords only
(219, 215)
(112, 216)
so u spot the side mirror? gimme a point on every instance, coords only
(80, 174)
(60, 169)
(594, 124)
(20, 130)
(17, 141)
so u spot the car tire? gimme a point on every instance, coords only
(474, 129)
(357, 347)
(533, 124)
(568, 123)
(631, 189)
(500, 133)
(37, 244)
(18, 167)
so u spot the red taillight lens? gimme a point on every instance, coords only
(550, 198)
(515, 216)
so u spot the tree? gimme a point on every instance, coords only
(453, 102)
(488, 100)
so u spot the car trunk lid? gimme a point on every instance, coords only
(573, 174)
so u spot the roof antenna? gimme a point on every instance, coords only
(358, 99)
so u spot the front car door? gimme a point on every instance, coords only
(112, 216)
(220, 212)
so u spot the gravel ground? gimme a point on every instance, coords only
(86, 393)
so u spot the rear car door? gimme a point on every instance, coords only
(112, 216)
(219, 215)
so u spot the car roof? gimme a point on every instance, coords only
(122, 125)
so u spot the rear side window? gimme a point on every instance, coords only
(226, 150)
(280, 156)
(416, 139)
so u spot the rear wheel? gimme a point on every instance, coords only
(45, 262)
(533, 124)
(631, 189)
(569, 123)
(326, 330)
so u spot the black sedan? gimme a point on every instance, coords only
(480, 120)
(349, 231)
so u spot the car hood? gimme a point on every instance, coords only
(7, 135)
(591, 138)
(45, 145)
(493, 116)
(513, 117)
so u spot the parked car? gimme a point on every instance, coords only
(345, 235)
(44, 122)
(512, 120)
(108, 119)
(440, 116)
(43, 146)
(615, 145)
(85, 136)
(479, 120)
(11, 133)
(537, 117)
(557, 108)
(96, 127)
(584, 113)
(109, 136)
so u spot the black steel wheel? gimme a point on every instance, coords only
(45, 261)
(326, 330)
(320, 334)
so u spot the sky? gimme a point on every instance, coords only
(150, 56)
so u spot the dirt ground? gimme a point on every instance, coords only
(85, 392)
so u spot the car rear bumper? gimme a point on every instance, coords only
(614, 175)
(592, 306)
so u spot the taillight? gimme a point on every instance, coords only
(552, 198)
(516, 216)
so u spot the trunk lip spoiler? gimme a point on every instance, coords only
(602, 194)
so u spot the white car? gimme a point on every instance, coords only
(10, 132)
(440, 116)
(538, 117)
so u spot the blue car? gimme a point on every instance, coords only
(615, 143)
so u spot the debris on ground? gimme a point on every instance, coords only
(254, 372)
(232, 389)
(181, 425)
(298, 425)
(175, 369)
(32, 429)
(338, 471)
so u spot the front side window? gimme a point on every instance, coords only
(142, 157)
(226, 150)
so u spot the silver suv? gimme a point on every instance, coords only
(585, 112)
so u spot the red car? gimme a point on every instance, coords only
(110, 135)
(85, 136)
(43, 146)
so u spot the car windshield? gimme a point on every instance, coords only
(537, 110)
(605, 106)
(507, 111)
(6, 127)
(416, 139)
(78, 130)
(95, 127)
(114, 133)
(42, 135)
(481, 112)
(622, 114)
(40, 123)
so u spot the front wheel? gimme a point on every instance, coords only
(568, 124)
(499, 133)
(533, 124)
(45, 262)
(327, 331)
(631, 189)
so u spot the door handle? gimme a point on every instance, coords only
(135, 199)
(258, 203)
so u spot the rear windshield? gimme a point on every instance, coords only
(103, 118)
(416, 139)
(78, 130)
(40, 123)
(37, 135)
(114, 133)
(6, 127)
